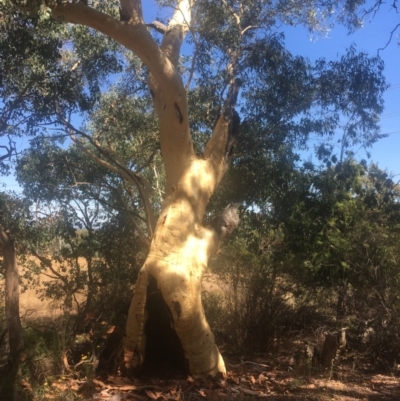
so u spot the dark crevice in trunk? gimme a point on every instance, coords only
(164, 353)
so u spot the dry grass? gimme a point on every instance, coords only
(32, 304)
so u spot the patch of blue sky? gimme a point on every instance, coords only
(369, 39)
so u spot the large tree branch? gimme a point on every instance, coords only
(158, 26)
(116, 165)
(176, 146)
(219, 148)
(139, 182)
(175, 34)
(131, 10)
(166, 84)
(132, 34)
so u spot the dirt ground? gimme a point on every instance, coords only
(247, 378)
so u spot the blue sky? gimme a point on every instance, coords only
(370, 38)
(374, 35)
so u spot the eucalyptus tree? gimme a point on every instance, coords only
(284, 99)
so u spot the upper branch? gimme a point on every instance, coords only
(176, 144)
(8, 150)
(176, 30)
(116, 165)
(166, 85)
(219, 148)
(132, 34)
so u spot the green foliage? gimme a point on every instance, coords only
(44, 350)
(78, 234)
(332, 210)
(42, 361)
(254, 296)
(323, 253)
(40, 79)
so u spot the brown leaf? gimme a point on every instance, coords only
(59, 386)
(154, 395)
(26, 386)
(261, 379)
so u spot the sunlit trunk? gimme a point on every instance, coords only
(173, 270)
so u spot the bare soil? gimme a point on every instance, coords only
(246, 380)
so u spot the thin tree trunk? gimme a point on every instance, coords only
(8, 387)
(12, 295)
(341, 301)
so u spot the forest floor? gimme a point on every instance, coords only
(270, 376)
(244, 381)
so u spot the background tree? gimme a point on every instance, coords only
(340, 235)
(83, 239)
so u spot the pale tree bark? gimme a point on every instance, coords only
(11, 276)
(181, 244)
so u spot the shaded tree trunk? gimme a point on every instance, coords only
(329, 349)
(11, 275)
(8, 387)
(334, 344)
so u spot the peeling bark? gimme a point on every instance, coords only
(14, 326)
(228, 221)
